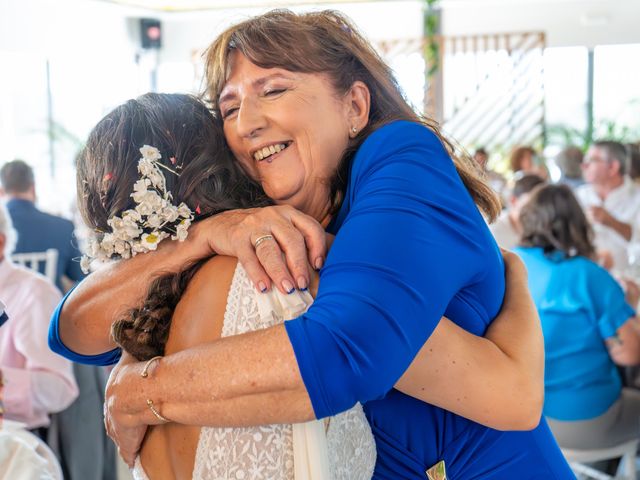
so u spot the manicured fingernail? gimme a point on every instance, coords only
(318, 263)
(302, 283)
(287, 286)
(262, 286)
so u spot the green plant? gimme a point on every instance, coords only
(431, 46)
(564, 135)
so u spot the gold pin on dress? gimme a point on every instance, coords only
(437, 472)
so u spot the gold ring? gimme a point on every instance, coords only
(261, 239)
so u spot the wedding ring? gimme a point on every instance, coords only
(261, 239)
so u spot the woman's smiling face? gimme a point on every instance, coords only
(288, 129)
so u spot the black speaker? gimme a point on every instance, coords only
(151, 33)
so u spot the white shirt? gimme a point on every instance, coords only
(37, 381)
(623, 203)
(23, 456)
(504, 233)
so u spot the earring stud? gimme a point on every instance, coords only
(354, 129)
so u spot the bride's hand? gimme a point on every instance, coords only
(283, 229)
(124, 428)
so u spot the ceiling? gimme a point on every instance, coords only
(194, 5)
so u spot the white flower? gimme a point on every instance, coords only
(150, 241)
(93, 247)
(131, 216)
(154, 221)
(184, 211)
(150, 153)
(85, 264)
(181, 233)
(170, 213)
(154, 210)
(130, 227)
(149, 170)
(107, 244)
(148, 203)
(120, 246)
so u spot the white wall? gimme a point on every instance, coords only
(566, 22)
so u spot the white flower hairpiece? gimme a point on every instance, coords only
(153, 219)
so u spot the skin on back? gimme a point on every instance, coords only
(168, 451)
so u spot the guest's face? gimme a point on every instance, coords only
(595, 168)
(300, 117)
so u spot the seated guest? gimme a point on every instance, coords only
(588, 325)
(569, 161)
(506, 229)
(37, 382)
(497, 181)
(634, 161)
(524, 160)
(24, 456)
(77, 434)
(18, 186)
(611, 200)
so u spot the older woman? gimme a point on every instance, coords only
(588, 324)
(315, 116)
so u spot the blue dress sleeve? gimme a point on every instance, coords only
(411, 238)
(56, 345)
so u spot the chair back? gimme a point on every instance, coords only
(579, 459)
(33, 260)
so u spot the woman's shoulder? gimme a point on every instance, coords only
(402, 133)
(401, 143)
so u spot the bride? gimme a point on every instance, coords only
(184, 174)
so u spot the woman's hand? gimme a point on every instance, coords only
(284, 230)
(126, 429)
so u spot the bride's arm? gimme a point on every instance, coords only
(497, 380)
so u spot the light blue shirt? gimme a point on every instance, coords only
(580, 305)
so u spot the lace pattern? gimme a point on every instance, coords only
(266, 452)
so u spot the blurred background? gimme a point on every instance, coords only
(495, 73)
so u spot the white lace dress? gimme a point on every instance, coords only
(267, 452)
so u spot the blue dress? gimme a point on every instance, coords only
(580, 306)
(412, 246)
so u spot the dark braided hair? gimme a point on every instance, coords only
(210, 181)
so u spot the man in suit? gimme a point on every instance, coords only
(37, 230)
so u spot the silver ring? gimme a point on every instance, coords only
(261, 239)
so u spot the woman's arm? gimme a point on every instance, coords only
(501, 388)
(624, 349)
(503, 372)
(85, 320)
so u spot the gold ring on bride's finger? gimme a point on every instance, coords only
(261, 239)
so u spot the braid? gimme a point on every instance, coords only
(144, 330)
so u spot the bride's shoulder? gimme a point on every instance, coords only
(199, 315)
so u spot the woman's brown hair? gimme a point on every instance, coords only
(518, 155)
(553, 219)
(326, 42)
(209, 181)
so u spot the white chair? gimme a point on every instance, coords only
(32, 260)
(626, 469)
